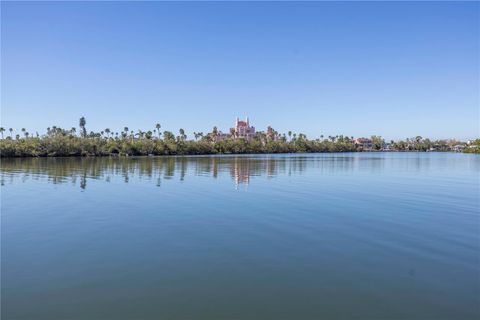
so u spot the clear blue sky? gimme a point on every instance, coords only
(391, 69)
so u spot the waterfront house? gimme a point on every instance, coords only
(364, 144)
(271, 134)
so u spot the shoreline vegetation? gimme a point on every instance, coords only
(59, 142)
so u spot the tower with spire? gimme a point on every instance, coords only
(243, 129)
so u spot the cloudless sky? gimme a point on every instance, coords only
(359, 69)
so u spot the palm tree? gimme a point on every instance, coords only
(290, 135)
(168, 136)
(182, 134)
(11, 132)
(107, 131)
(2, 129)
(73, 130)
(158, 126)
(82, 124)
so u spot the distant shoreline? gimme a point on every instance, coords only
(212, 154)
(243, 139)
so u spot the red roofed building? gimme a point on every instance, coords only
(243, 129)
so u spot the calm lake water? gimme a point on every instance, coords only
(308, 236)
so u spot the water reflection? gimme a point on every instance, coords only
(241, 169)
(112, 236)
(80, 170)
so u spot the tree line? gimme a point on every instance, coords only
(62, 142)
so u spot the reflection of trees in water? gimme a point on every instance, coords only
(240, 168)
(83, 181)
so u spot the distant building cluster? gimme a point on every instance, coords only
(243, 130)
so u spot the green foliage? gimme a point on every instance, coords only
(65, 143)
(473, 147)
(60, 142)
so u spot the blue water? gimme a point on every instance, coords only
(308, 236)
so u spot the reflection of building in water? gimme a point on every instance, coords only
(214, 167)
(240, 171)
(243, 168)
